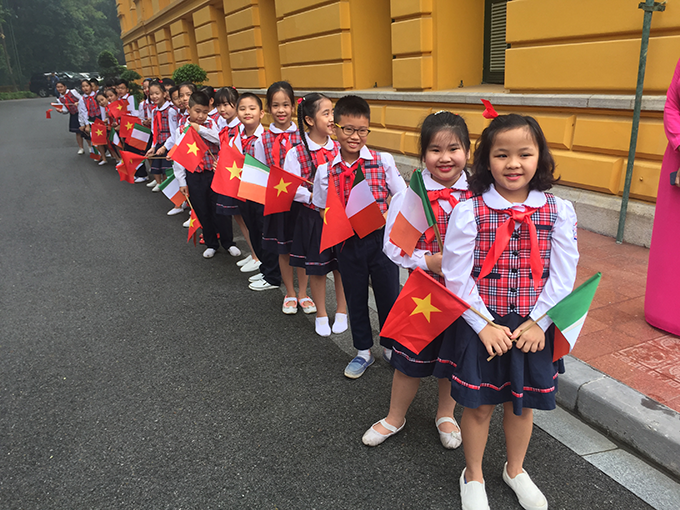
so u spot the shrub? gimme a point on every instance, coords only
(22, 94)
(190, 72)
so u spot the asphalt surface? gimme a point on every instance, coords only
(134, 374)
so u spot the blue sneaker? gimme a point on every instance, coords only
(358, 366)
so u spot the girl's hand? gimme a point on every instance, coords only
(434, 263)
(146, 122)
(87, 129)
(161, 151)
(496, 339)
(533, 338)
(184, 190)
(149, 153)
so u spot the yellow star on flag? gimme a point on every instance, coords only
(282, 187)
(119, 107)
(128, 125)
(325, 215)
(99, 132)
(424, 306)
(191, 222)
(235, 171)
(192, 149)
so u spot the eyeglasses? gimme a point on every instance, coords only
(349, 131)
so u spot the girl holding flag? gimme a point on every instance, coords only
(160, 127)
(444, 150)
(511, 253)
(70, 99)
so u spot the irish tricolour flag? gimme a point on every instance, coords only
(415, 215)
(362, 210)
(570, 314)
(253, 180)
(139, 137)
(170, 188)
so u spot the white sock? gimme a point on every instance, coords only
(366, 354)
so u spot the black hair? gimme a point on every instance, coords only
(110, 82)
(154, 83)
(246, 95)
(481, 178)
(199, 98)
(60, 81)
(353, 106)
(436, 122)
(308, 107)
(94, 81)
(189, 85)
(121, 81)
(111, 89)
(168, 81)
(101, 93)
(172, 90)
(279, 86)
(85, 80)
(149, 80)
(208, 90)
(226, 95)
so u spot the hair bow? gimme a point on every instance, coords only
(489, 112)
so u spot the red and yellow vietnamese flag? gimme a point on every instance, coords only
(118, 108)
(280, 192)
(190, 150)
(124, 175)
(228, 172)
(336, 225)
(194, 225)
(131, 162)
(127, 124)
(98, 132)
(423, 310)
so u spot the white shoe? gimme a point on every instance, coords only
(244, 261)
(151, 184)
(209, 253)
(340, 323)
(473, 494)
(140, 179)
(234, 251)
(81, 151)
(322, 327)
(156, 188)
(251, 266)
(102, 162)
(187, 223)
(256, 277)
(529, 496)
(262, 285)
(175, 210)
(450, 440)
(373, 438)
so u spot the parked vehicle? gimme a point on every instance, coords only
(40, 82)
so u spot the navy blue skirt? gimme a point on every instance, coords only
(305, 251)
(419, 365)
(160, 166)
(74, 123)
(228, 206)
(277, 230)
(527, 380)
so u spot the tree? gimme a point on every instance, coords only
(109, 66)
(191, 73)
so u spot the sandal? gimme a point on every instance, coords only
(450, 440)
(289, 309)
(307, 305)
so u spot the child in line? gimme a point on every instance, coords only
(361, 259)
(88, 112)
(444, 150)
(512, 279)
(70, 99)
(277, 229)
(184, 92)
(315, 111)
(103, 104)
(147, 106)
(173, 119)
(210, 92)
(123, 91)
(195, 182)
(160, 128)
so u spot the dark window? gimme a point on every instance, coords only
(494, 40)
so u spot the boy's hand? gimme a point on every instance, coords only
(531, 340)
(161, 151)
(434, 263)
(496, 340)
(184, 190)
(197, 127)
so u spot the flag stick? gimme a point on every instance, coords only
(489, 322)
(188, 202)
(440, 242)
(521, 331)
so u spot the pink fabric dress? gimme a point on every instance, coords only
(662, 296)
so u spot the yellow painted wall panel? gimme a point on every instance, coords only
(408, 117)
(645, 182)
(317, 49)
(333, 17)
(286, 7)
(246, 39)
(530, 20)
(236, 5)
(146, 63)
(412, 36)
(182, 55)
(250, 78)
(214, 79)
(473, 118)
(589, 171)
(370, 32)
(143, 50)
(208, 48)
(166, 69)
(387, 139)
(211, 64)
(612, 136)
(403, 8)
(411, 144)
(164, 59)
(413, 73)
(270, 42)
(206, 32)
(163, 46)
(181, 41)
(377, 115)
(162, 35)
(557, 128)
(247, 18)
(178, 27)
(596, 67)
(320, 76)
(249, 59)
(203, 16)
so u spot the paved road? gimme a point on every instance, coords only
(134, 374)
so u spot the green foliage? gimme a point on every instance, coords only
(108, 65)
(190, 72)
(135, 88)
(23, 94)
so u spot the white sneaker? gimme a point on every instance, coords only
(187, 223)
(473, 494)
(102, 162)
(529, 496)
(234, 251)
(175, 210)
(262, 285)
(322, 327)
(151, 184)
(140, 179)
(81, 151)
(208, 253)
(244, 261)
(156, 188)
(251, 266)
(340, 323)
(256, 277)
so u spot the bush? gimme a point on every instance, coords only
(190, 72)
(108, 65)
(22, 94)
(135, 88)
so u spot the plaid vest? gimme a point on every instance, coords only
(375, 176)
(148, 109)
(509, 287)
(248, 144)
(93, 110)
(269, 139)
(227, 133)
(70, 101)
(307, 169)
(161, 126)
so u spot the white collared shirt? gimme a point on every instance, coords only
(259, 144)
(292, 165)
(236, 141)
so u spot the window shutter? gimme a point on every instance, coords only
(495, 14)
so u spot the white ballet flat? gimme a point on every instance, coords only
(373, 438)
(450, 440)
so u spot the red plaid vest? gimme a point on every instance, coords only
(248, 143)
(269, 140)
(227, 133)
(92, 107)
(148, 109)
(306, 167)
(215, 117)
(375, 176)
(70, 101)
(509, 287)
(161, 126)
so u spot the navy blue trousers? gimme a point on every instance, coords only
(204, 200)
(253, 216)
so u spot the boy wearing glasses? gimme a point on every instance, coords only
(361, 258)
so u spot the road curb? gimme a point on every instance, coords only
(634, 419)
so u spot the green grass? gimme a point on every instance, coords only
(23, 94)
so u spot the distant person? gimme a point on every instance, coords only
(70, 99)
(53, 84)
(663, 278)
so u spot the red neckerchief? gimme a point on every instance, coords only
(247, 142)
(502, 239)
(434, 196)
(276, 147)
(346, 177)
(156, 126)
(322, 156)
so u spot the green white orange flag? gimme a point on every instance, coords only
(415, 215)
(227, 178)
(570, 314)
(423, 310)
(336, 225)
(98, 132)
(139, 137)
(253, 180)
(194, 225)
(281, 188)
(362, 210)
(170, 188)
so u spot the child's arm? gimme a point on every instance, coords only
(259, 153)
(320, 189)
(209, 133)
(82, 113)
(172, 124)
